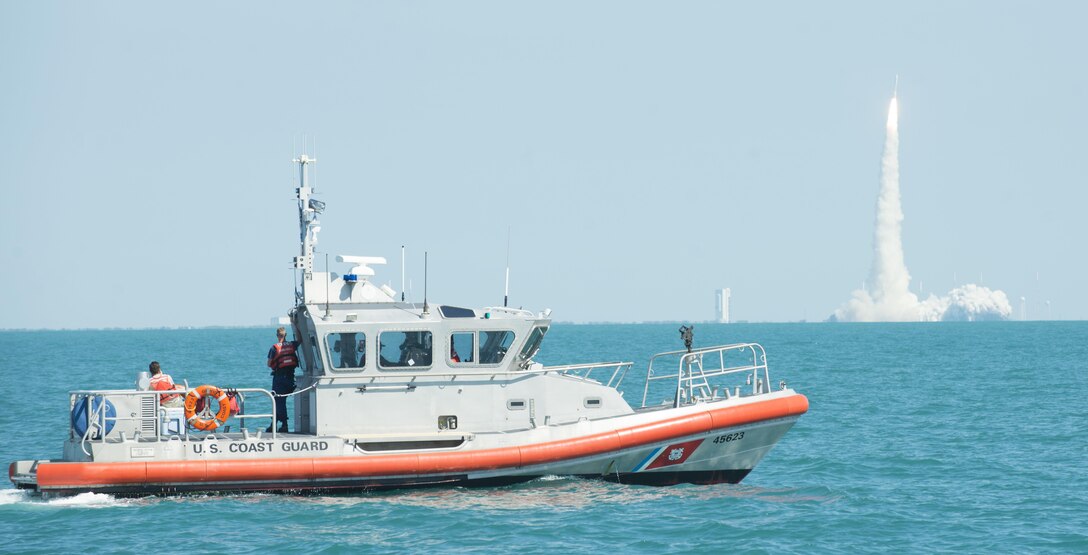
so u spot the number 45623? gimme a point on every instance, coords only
(729, 437)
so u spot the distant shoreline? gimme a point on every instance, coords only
(558, 322)
(160, 328)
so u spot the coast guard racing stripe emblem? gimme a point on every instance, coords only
(669, 455)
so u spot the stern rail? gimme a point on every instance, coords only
(98, 418)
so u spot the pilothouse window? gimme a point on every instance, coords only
(405, 349)
(346, 350)
(532, 345)
(480, 347)
(493, 346)
(462, 348)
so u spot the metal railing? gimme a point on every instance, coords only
(512, 311)
(583, 371)
(411, 380)
(98, 422)
(700, 374)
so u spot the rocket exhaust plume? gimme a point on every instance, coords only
(886, 296)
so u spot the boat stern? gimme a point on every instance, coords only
(24, 474)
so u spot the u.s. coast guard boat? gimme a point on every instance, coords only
(392, 394)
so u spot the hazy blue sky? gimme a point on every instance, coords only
(642, 154)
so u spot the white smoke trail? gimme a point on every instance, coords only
(886, 297)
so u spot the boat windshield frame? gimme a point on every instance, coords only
(532, 344)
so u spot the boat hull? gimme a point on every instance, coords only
(704, 444)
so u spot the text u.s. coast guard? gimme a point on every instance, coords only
(261, 447)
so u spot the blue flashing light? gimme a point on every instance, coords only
(350, 278)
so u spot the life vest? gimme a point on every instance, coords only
(162, 382)
(285, 357)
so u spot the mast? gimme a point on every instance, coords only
(506, 291)
(308, 226)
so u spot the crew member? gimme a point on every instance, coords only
(161, 381)
(282, 359)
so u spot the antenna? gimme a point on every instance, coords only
(402, 273)
(308, 224)
(425, 308)
(506, 292)
(328, 312)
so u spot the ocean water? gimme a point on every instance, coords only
(919, 438)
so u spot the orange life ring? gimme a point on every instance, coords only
(195, 395)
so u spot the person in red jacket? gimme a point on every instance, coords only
(282, 359)
(161, 381)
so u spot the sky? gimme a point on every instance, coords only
(637, 155)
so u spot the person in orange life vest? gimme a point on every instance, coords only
(163, 382)
(282, 359)
(453, 354)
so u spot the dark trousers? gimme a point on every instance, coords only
(282, 385)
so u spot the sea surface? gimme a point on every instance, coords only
(920, 438)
